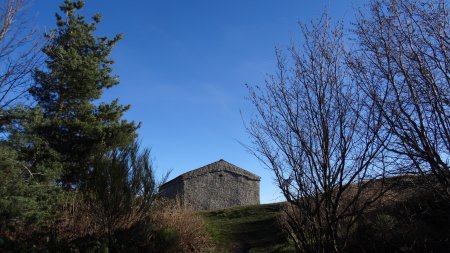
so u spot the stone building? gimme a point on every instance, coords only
(214, 186)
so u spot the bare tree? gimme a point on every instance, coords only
(315, 131)
(18, 52)
(404, 67)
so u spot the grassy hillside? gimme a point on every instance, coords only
(247, 229)
(410, 218)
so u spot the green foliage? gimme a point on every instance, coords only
(34, 153)
(28, 192)
(78, 69)
(112, 213)
(70, 139)
(25, 200)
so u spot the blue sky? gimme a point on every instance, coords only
(183, 67)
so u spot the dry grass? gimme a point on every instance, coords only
(187, 223)
(78, 220)
(186, 228)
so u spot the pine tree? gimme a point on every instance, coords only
(78, 70)
(29, 193)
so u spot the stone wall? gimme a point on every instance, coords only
(214, 186)
(173, 189)
(220, 189)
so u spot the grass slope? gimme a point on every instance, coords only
(247, 229)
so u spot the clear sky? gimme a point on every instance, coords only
(183, 67)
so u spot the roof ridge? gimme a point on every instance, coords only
(206, 168)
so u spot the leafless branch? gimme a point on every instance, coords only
(19, 52)
(317, 133)
(404, 68)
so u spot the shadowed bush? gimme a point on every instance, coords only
(411, 219)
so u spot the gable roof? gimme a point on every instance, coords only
(217, 166)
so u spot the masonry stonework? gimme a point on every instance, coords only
(214, 186)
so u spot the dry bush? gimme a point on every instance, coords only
(166, 227)
(77, 220)
(187, 223)
(81, 227)
(80, 217)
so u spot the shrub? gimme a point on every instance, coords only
(408, 219)
(188, 225)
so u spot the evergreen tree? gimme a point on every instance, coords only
(28, 172)
(78, 69)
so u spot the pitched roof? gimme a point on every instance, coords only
(217, 166)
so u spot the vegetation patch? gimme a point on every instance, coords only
(248, 229)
